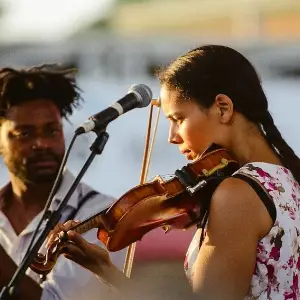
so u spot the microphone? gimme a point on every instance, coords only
(139, 95)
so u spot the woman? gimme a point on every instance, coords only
(212, 94)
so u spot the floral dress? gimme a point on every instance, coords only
(277, 272)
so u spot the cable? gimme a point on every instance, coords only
(52, 193)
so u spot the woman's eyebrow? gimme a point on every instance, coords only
(173, 115)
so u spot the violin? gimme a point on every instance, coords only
(177, 202)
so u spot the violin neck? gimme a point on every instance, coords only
(90, 223)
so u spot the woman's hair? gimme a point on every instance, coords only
(48, 82)
(204, 72)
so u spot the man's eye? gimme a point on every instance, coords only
(55, 131)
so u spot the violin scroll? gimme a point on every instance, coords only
(43, 264)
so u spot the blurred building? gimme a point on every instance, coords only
(136, 36)
(238, 19)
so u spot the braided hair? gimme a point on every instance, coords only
(47, 81)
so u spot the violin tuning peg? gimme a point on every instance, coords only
(63, 236)
(43, 277)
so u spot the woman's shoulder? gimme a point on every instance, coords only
(233, 191)
(235, 204)
(239, 190)
(237, 184)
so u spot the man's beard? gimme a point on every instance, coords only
(30, 170)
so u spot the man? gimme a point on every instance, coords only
(33, 103)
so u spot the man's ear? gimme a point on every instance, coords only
(225, 108)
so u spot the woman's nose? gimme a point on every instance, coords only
(174, 137)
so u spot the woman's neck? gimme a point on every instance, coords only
(250, 145)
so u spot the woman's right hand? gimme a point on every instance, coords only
(88, 255)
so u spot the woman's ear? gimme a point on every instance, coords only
(224, 107)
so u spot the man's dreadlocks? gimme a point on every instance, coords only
(48, 82)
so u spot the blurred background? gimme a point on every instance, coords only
(116, 43)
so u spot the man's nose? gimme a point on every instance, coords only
(40, 143)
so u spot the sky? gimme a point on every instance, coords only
(46, 20)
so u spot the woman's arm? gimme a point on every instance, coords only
(226, 261)
(97, 260)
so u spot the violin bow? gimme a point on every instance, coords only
(148, 149)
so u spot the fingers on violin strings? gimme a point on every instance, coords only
(53, 234)
(74, 253)
(69, 224)
(58, 228)
(78, 240)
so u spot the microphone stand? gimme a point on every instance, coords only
(10, 290)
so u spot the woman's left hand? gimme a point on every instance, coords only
(88, 255)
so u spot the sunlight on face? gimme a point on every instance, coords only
(32, 141)
(191, 128)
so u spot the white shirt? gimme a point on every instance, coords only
(67, 280)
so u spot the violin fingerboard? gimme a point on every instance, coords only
(88, 224)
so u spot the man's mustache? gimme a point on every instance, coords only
(41, 157)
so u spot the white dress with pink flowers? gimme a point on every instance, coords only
(277, 272)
